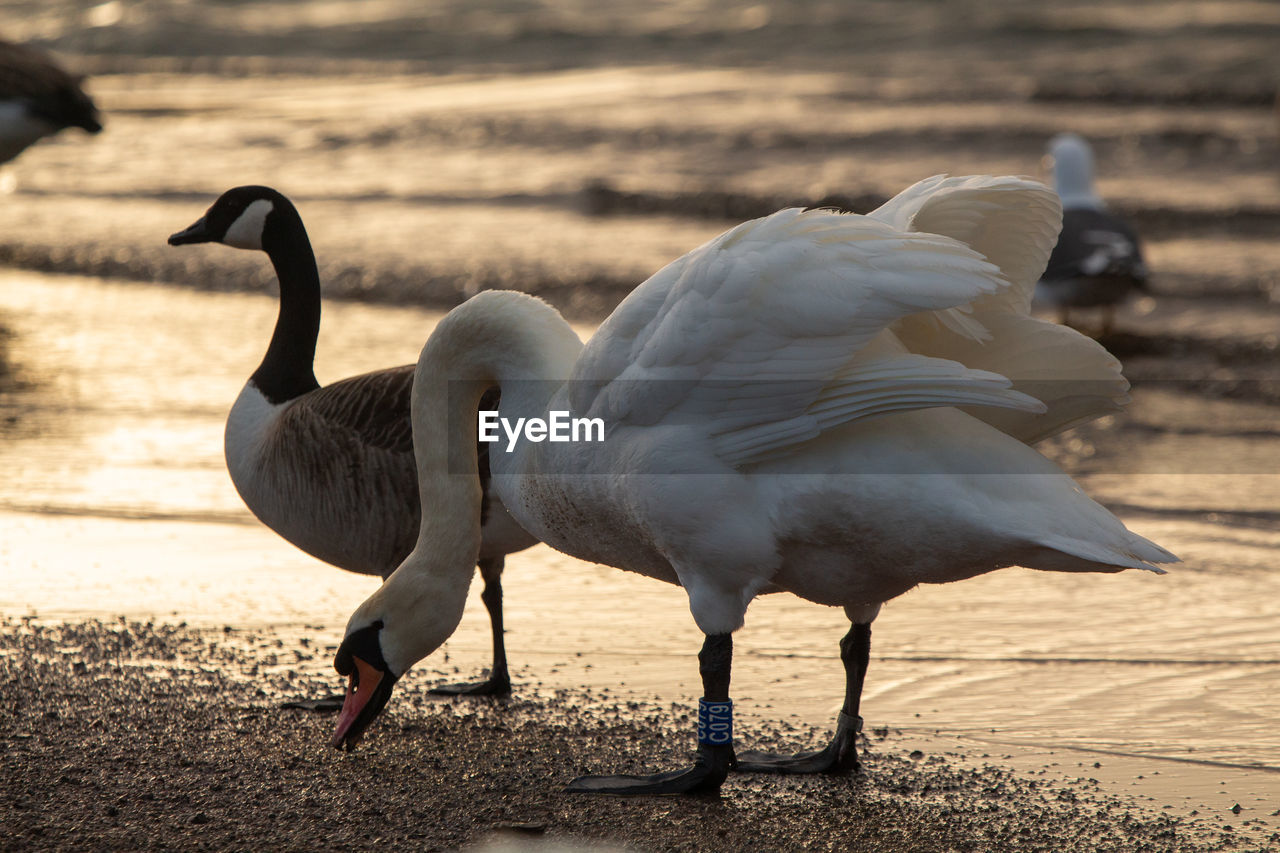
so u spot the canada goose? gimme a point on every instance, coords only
(781, 415)
(331, 468)
(37, 99)
(1097, 262)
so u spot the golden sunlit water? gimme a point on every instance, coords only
(114, 500)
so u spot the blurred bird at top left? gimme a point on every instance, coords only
(38, 98)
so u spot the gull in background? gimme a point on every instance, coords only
(1097, 262)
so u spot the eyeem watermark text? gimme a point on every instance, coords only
(557, 427)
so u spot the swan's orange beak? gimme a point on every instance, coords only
(359, 708)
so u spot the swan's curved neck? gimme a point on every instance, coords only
(526, 349)
(499, 339)
(286, 370)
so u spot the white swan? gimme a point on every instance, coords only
(780, 410)
(1097, 262)
(37, 99)
(331, 469)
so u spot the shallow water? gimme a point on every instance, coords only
(114, 500)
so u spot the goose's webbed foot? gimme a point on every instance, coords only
(499, 685)
(323, 705)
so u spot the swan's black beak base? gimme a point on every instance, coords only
(369, 683)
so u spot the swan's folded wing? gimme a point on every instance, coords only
(865, 389)
(1012, 222)
(751, 328)
(1074, 375)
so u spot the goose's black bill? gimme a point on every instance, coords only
(196, 232)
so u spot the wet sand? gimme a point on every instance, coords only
(180, 744)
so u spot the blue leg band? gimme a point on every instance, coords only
(715, 722)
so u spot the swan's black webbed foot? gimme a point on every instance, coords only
(841, 755)
(323, 705)
(705, 777)
(715, 738)
(491, 686)
(838, 757)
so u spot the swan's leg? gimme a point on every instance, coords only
(841, 755)
(715, 737)
(499, 681)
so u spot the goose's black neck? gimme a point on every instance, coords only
(286, 370)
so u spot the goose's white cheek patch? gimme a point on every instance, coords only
(246, 231)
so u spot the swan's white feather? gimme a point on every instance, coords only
(750, 329)
(868, 388)
(1012, 222)
(1073, 375)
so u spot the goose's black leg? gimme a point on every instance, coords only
(323, 705)
(715, 737)
(841, 755)
(499, 681)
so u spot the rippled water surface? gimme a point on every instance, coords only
(114, 500)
